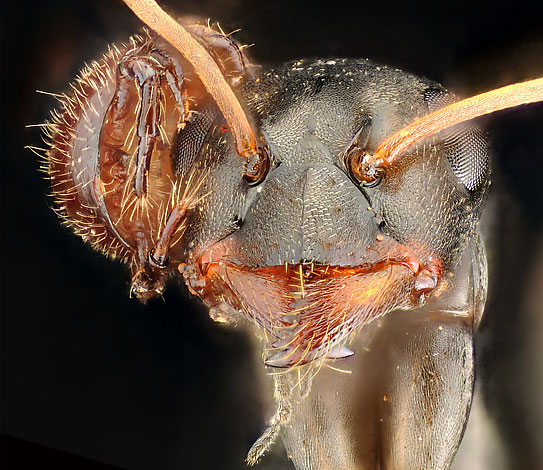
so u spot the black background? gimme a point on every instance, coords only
(91, 372)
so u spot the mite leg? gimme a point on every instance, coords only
(159, 255)
(148, 107)
(147, 67)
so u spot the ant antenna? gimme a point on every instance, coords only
(207, 69)
(464, 110)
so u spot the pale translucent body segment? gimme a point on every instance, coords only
(430, 391)
(403, 406)
(404, 398)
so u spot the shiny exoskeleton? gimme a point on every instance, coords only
(300, 245)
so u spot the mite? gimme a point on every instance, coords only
(331, 205)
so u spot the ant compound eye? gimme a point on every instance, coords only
(362, 168)
(258, 166)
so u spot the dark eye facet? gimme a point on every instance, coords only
(465, 144)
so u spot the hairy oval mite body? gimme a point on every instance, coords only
(306, 235)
